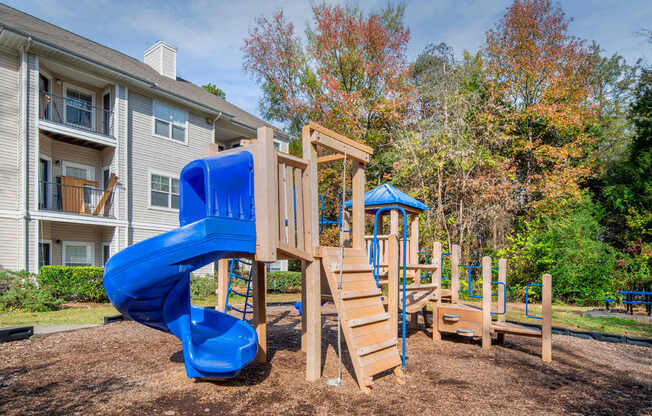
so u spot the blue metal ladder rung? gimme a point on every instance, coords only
(244, 295)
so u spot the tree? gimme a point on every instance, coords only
(351, 75)
(540, 75)
(213, 89)
(628, 190)
(446, 154)
(611, 92)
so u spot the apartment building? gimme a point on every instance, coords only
(94, 141)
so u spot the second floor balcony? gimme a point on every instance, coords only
(76, 116)
(78, 197)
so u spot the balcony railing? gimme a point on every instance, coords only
(78, 199)
(76, 113)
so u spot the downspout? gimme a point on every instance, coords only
(24, 100)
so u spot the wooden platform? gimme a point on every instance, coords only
(366, 325)
(516, 329)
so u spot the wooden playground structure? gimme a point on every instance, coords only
(354, 274)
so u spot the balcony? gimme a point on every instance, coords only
(76, 120)
(77, 197)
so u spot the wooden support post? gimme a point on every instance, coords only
(222, 283)
(413, 258)
(546, 327)
(486, 302)
(303, 305)
(266, 181)
(312, 270)
(359, 183)
(414, 241)
(260, 309)
(393, 283)
(502, 293)
(455, 273)
(436, 278)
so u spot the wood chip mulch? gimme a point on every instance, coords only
(126, 368)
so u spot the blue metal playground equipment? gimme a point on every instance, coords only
(469, 290)
(248, 307)
(375, 261)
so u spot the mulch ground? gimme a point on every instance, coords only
(126, 368)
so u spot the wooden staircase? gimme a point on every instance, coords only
(371, 342)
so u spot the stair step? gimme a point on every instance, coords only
(351, 268)
(376, 347)
(353, 294)
(368, 320)
(420, 286)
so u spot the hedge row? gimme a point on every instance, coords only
(77, 284)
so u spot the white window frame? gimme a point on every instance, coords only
(149, 190)
(90, 247)
(93, 95)
(185, 139)
(50, 198)
(38, 248)
(65, 164)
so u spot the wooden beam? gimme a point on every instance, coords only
(107, 193)
(436, 279)
(290, 160)
(455, 273)
(392, 290)
(339, 147)
(502, 278)
(330, 158)
(294, 253)
(260, 310)
(222, 283)
(312, 269)
(341, 138)
(359, 182)
(546, 327)
(486, 302)
(266, 195)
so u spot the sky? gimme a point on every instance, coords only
(209, 34)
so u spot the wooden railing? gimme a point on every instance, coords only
(293, 220)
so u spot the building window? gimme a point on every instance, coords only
(44, 254)
(79, 108)
(106, 253)
(77, 254)
(170, 122)
(164, 191)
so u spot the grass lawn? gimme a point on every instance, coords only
(94, 313)
(563, 315)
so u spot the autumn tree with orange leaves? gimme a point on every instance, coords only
(541, 76)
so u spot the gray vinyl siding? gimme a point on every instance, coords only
(9, 229)
(152, 153)
(149, 153)
(9, 119)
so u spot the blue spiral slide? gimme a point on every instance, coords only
(150, 281)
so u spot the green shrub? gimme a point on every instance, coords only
(284, 282)
(568, 245)
(18, 292)
(201, 286)
(68, 283)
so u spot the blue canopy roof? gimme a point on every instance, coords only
(386, 194)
